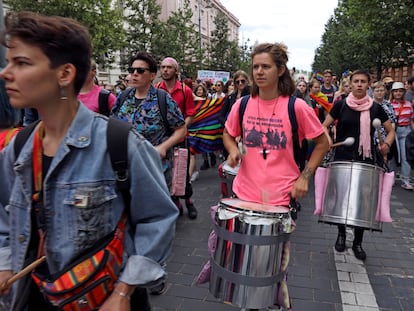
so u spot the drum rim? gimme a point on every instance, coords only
(354, 163)
(267, 214)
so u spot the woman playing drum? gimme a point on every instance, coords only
(268, 172)
(355, 115)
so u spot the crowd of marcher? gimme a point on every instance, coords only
(68, 192)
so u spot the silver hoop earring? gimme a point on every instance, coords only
(63, 93)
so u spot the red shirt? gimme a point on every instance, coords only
(183, 98)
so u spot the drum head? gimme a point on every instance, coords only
(251, 206)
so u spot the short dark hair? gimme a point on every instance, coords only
(410, 80)
(146, 57)
(62, 40)
(329, 71)
(360, 72)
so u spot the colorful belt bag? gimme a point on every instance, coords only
(89, 280)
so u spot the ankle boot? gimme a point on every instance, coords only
(358, 251)
(340, 243)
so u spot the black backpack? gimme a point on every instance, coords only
(103, 102)
(298, 151)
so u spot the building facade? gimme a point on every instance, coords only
(204, 13)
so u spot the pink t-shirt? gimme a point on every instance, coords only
(91, 99)
(268, 127)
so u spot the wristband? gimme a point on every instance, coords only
(124, 295)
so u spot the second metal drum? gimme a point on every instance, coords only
(351, 195)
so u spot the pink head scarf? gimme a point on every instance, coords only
(172, 62)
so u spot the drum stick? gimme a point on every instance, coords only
(376, 123)
(22, 273)
(349, 141)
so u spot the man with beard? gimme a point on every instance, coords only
(183, 96)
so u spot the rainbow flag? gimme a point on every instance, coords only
(322, 100)
(318, 75)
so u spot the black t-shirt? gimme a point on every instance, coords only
(349, 126)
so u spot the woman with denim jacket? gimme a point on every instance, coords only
(48, 60)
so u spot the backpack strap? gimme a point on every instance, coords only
(162, 104)
(22, 136)
(117, 141)
(103, 101)
(299, 152)
(242, 109)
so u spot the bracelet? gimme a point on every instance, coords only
(124, 295)
(389, 147)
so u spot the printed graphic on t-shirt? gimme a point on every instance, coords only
(265, 133)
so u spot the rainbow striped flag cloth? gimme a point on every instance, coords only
(318, 75)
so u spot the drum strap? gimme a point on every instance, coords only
(239, 238)
(253, 281)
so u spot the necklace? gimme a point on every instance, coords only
(264, 151)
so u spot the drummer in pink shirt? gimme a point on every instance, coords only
(268, 172)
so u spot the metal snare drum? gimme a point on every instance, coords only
(247, 265)
(351, 195)
(227, 174)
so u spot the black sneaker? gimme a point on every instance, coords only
(192, 212)
(158, 289)
(213, 159)
(204, 166)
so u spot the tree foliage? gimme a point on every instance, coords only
(143, 27)
(179, 39)
(224, 54)
(135, 25)
(103, 21)
(371, 34)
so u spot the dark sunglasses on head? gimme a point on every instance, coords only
(240, 81)
(140, 70)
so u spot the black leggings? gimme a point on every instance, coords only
(358, 233)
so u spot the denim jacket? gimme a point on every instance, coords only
(82, 202)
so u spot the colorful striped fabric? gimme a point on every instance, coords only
(206, 132)
(86, 284)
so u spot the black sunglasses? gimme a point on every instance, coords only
(140, 70)
(240, 81)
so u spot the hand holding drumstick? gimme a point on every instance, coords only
(376, 123)
(6, 284)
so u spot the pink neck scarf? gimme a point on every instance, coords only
(363, 105)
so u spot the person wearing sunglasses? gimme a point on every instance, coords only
(242, 88)
(219, 86)
(140, 107)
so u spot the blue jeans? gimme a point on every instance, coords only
(401, 134)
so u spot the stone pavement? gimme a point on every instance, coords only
(319, 278)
